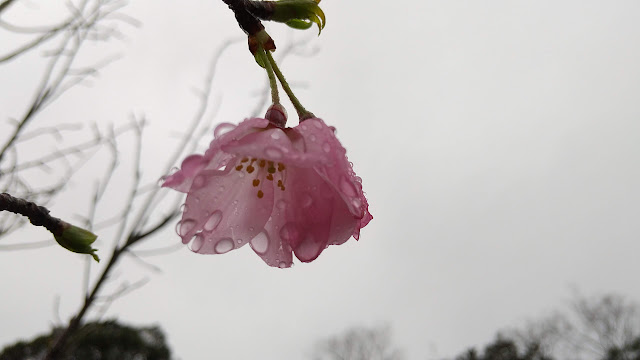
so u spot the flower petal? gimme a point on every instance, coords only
(275, 145)
(223, 211)
(214, 158)
(336, 170)
(309, 215)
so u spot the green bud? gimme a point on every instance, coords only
(77, 240)
(299, 14)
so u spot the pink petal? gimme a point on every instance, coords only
(214, 158)
(224, 213)
(337, 170)
(275, 145)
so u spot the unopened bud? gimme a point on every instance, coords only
(77, 240)
(277, 115)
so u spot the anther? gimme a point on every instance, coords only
(250, 169)
(260, 194)
(269, 177)
(281, 166)
(239, 167)
(256, 182)
(244, 160)
(262, 163)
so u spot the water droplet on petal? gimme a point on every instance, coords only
(273, 153)
(192, 164)
(221, 188)
(223, 129)
(276, 134)
(198, 182)
(306, 200)
(213, 220)
(186, 226)
(347, 187)
(260, 243)
(281, 204)
(312, 138)
(356, 202)
(239, 241)
(183, 207)
(283, 265)
(317, 124)
(289, 232)
(326, 147)
(224, 245)
(197, 242)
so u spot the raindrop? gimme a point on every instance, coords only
(224, 245)
(356, 202)
(281, 204)
(197, 242)
(235, 202)
(282, 265)
(239, 241)
(312, 138)
(260, 243)
(198, 182)
(192, 164)
(289, 232)
(223, 129)
(213, 221)
(326, 147)
(183, 207)
(275, 135)
(306, 200)
(221, 188)
(347, 187)
(251, 228)
(317, 124)
(186, 226)
(273, 153)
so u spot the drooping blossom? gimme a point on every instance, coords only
(284, 191)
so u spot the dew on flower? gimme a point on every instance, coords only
(186, 226)
(222, 129)
(224, 245)
(293, 200)
(273, 153)
(260, 243)
(192, 164)
(347, 187)
(198, 182)
(213, 221)
(306, 200)
(196, 242)
(289, 232)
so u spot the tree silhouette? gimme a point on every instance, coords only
(108, 340)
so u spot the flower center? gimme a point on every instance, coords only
(266, 171)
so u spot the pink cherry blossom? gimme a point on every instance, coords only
(283, 191)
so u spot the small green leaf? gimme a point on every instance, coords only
(299, 24)
(299, 13)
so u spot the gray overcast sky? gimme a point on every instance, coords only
(498, 142)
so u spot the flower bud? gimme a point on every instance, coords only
(77, 240)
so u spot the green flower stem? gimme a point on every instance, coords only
(303, 113)
(275, 97)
